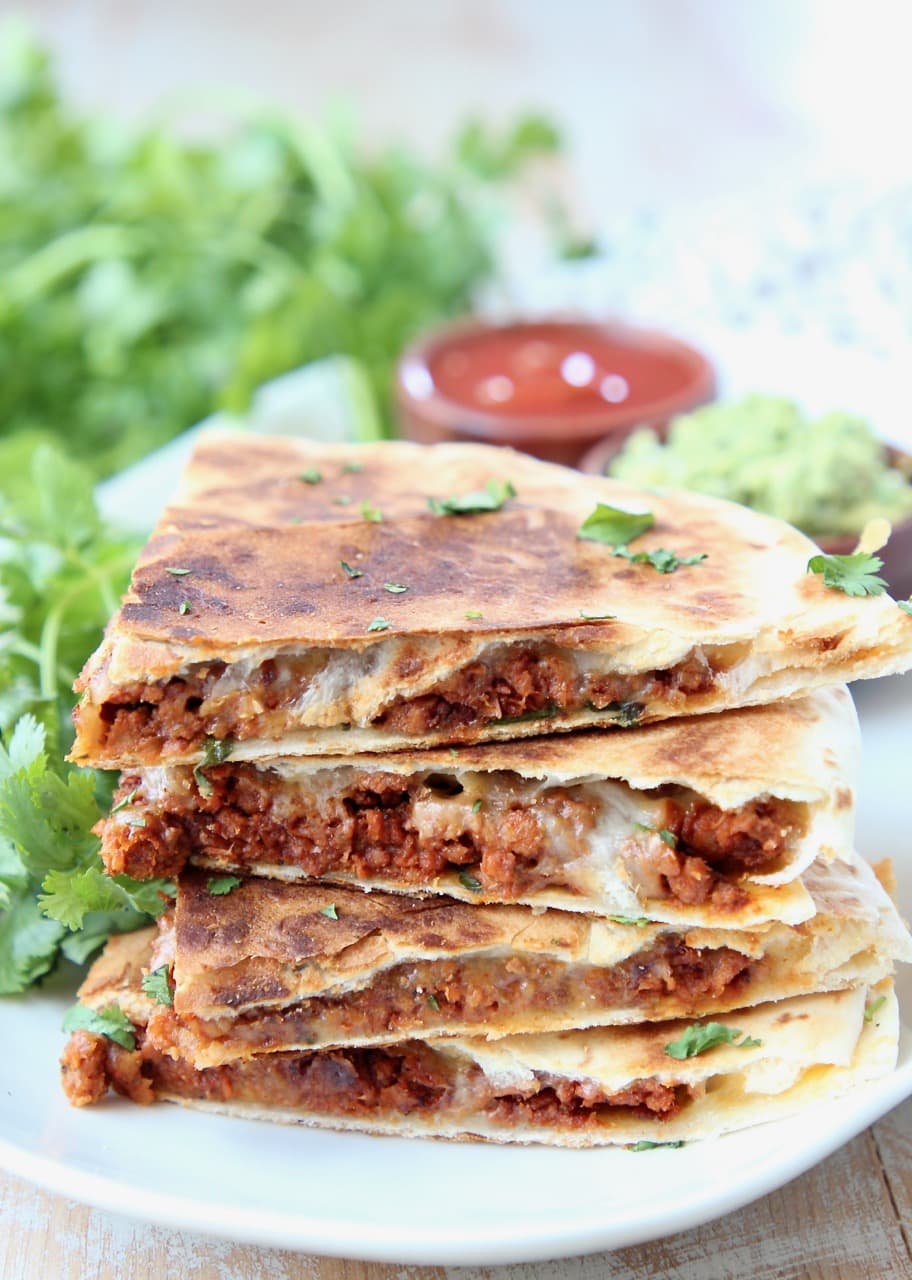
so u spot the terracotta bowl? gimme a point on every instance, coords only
(652, 377)
(896, 555)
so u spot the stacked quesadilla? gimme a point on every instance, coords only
(478, 825)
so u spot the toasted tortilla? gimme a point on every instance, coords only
(616, 1085)
(272, 967)
(259, 555)
(570, 822)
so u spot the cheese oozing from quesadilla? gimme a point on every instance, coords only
(350, 616)
(695, 821)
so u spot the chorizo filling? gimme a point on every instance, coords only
(505, 838)
(152, 721)
(362, 1084)
(667, 980)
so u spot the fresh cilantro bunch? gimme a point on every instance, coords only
(146, 280)
(61, 576)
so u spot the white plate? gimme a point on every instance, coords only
(425, 1202)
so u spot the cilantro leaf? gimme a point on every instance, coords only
(639, 921)
(157, 984)
(28, 943)
(215, 751)
(662, 560)
(372, 513)
(311, 476)
(349, 571)
(468, 881)
(396, 588)
(613, 526)
(855, 575)
(330, 911)
(645, 1145)
(626, 713)
(379, 624)
(434, 1002)
(544, 713)
(701, 1037)
(596, 617)
(111, 1022)
(906, 606)
(473, 614)
(219, 886)
(491, 498)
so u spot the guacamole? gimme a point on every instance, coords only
(826, 475)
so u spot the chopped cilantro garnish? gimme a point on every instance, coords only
(352, 573)
(369, 512)
(185, 608)
(176, 572)
(330, 911)
(639, 921)
(906, 606)
(220, 885)
(353, 467)
(490, 498)
(126, 801)
(666, 836)
(701, 1037)
(311, 476)
(379, 624)
(215, 751)
(476, 806)
(111, 1022)
(855, 575)
(874, 1007)
(473, 614)
(135, 821)
(662, 561)
(645, 1145)
(596, 617)
(396, 588)
(546, 713)
(626, 713)
(157, 984)
(613, 526)
(469, 882)
(434, 1003)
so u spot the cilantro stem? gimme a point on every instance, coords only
(68, 253)
(48, 664)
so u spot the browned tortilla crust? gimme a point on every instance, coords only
(369, 830)
(367, 1084)
(498, 607)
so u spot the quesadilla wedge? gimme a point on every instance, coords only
(272, 967)
(307, 599)
(664, 1082)
(703, 820)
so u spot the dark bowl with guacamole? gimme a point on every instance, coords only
(827, 475)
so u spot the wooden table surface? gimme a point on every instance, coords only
(850, 1218)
